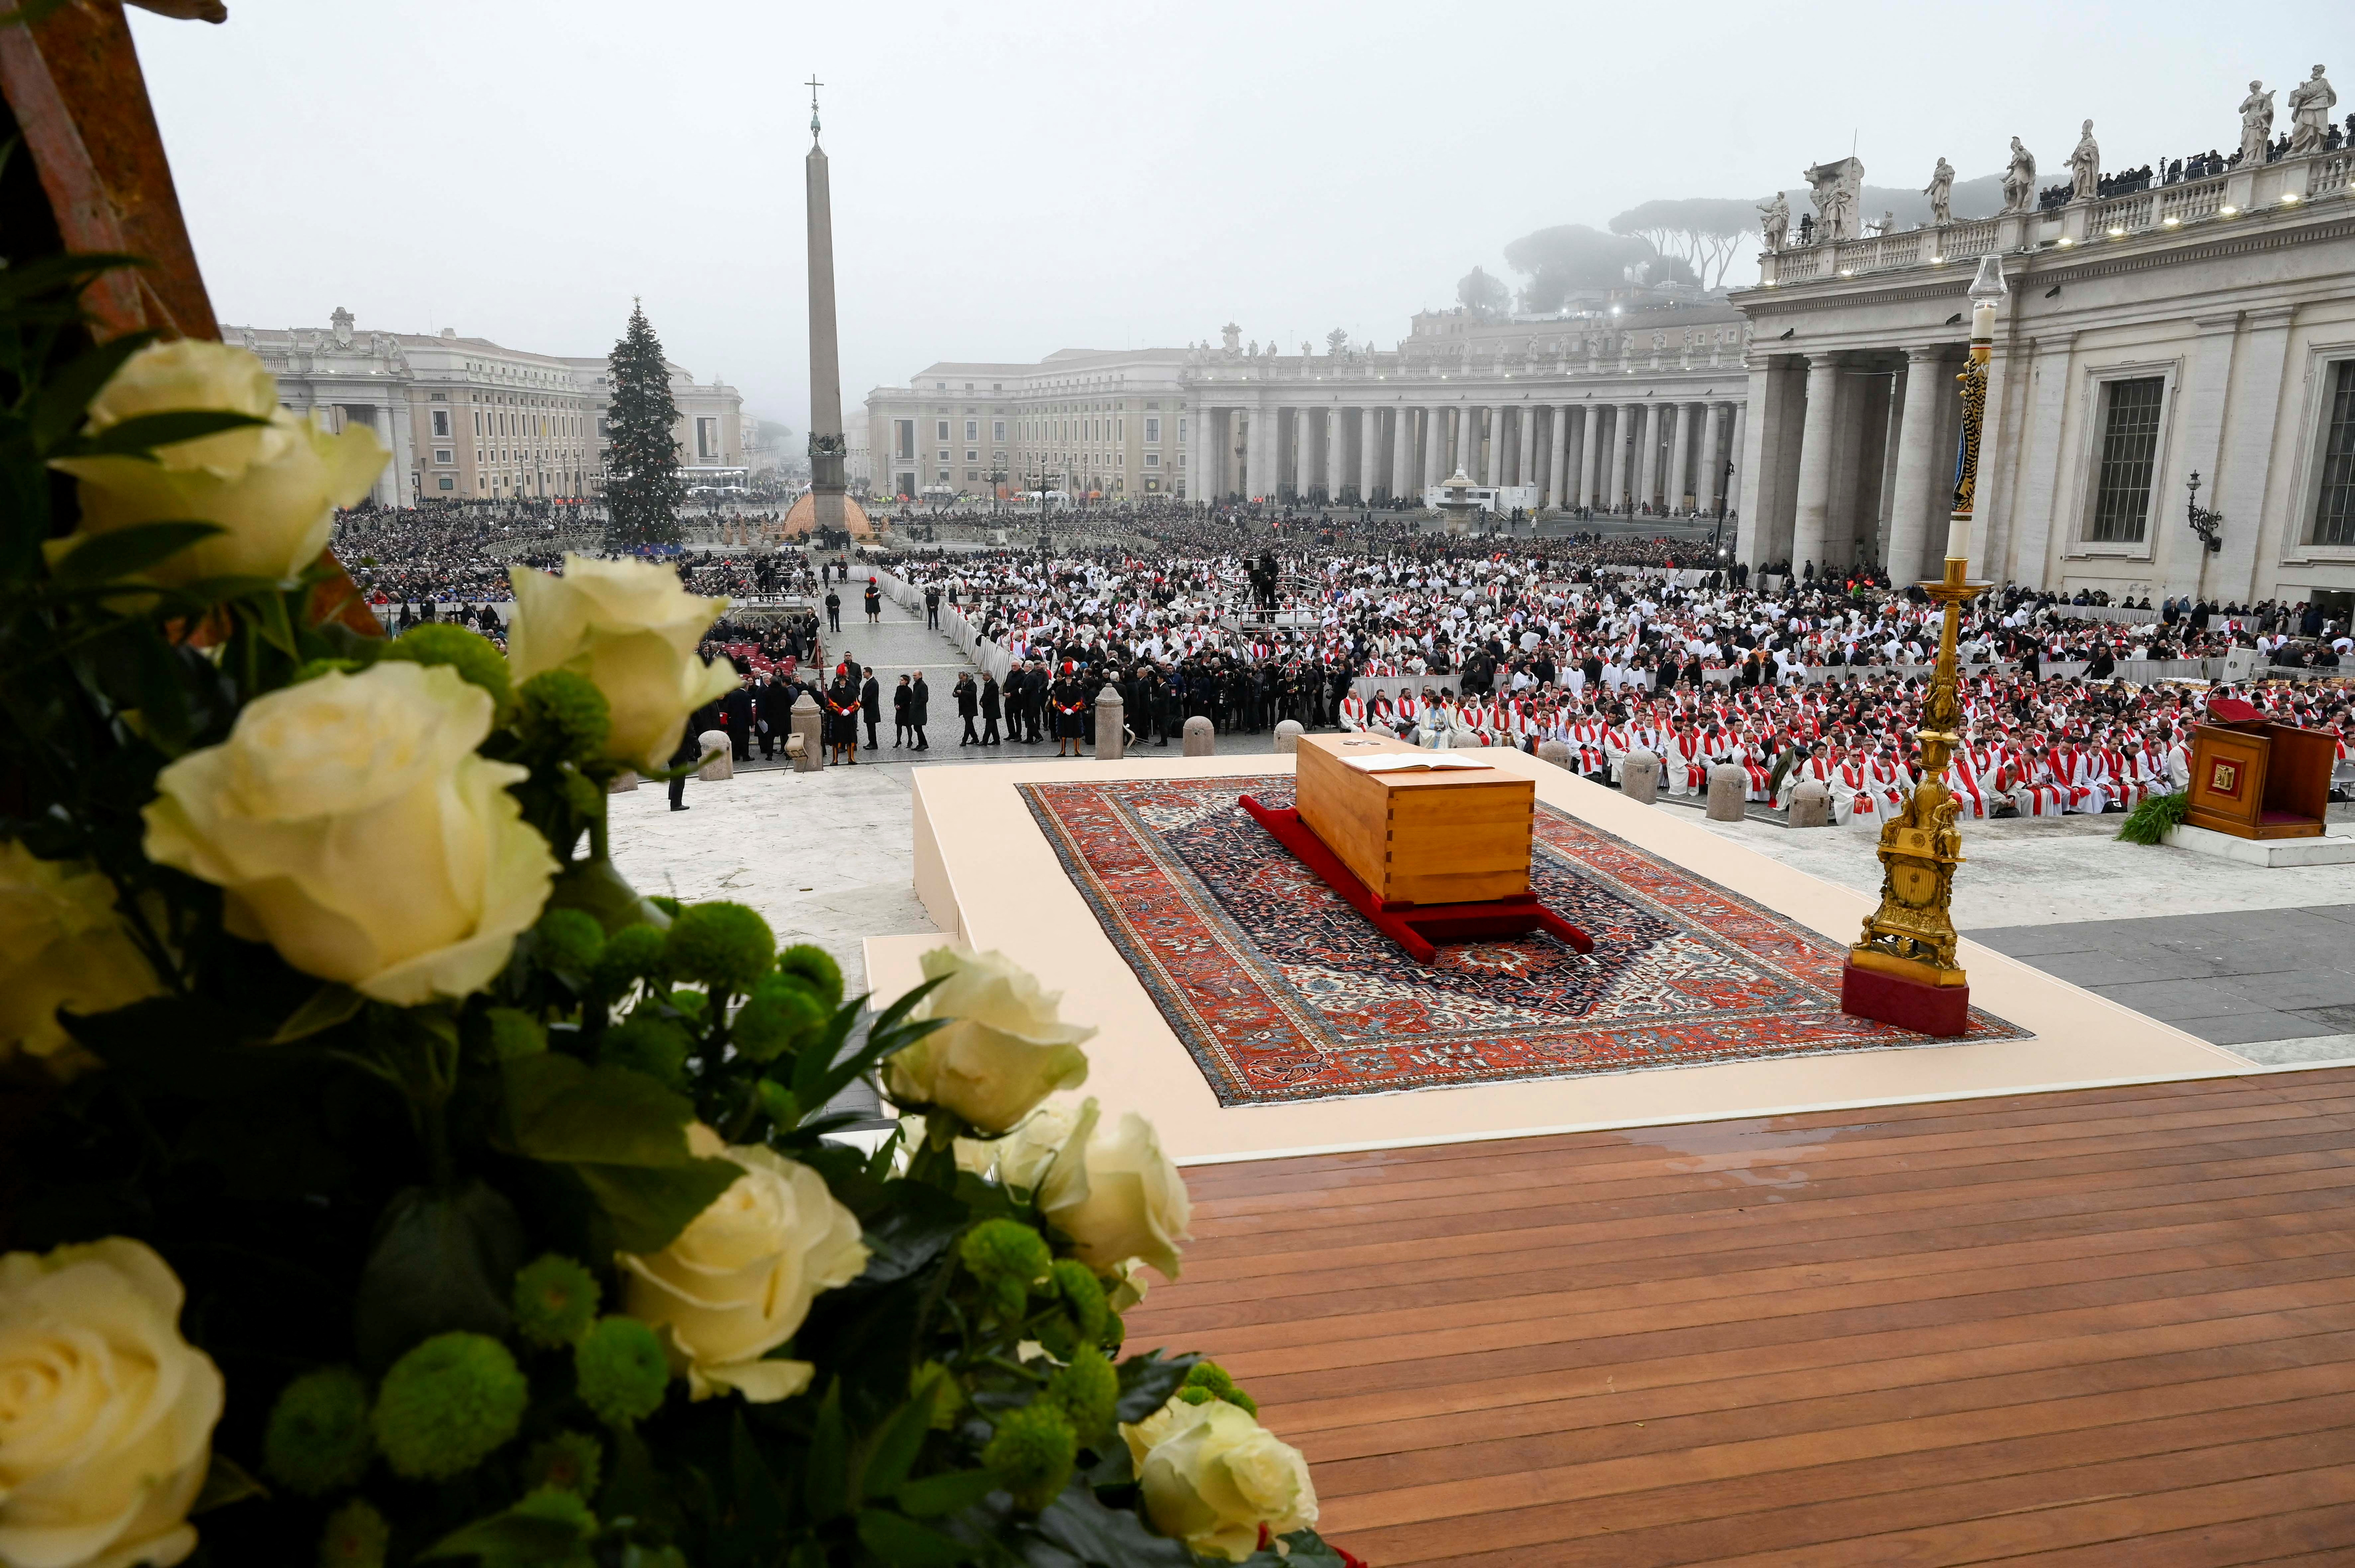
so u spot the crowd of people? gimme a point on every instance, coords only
(1605, 644)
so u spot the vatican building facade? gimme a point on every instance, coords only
(2196, 322)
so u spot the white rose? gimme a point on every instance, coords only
(736, 1282)
(273, 488)
(1003, 1051)
(1116, 1197)
(61, 945)
(1211, 1474)
(1024, 1154)
(631, 629)
(106, 1413)
(354, 829)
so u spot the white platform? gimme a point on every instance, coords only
(989, 879)
(2334, 847)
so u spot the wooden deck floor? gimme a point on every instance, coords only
(2109, 1327)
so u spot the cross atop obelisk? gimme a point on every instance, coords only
(826, 446)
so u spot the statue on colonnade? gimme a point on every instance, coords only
(2309, 113)
(2256, 124)
(2019, 179)
(1941, 192)
(2085, 167)
(1776, 218)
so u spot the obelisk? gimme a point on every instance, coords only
(826, 446)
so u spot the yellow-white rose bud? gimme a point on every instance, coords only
(1024, 1154)
(1004, 1049)
(106, 1413)
(61, 945)
(271, 488)
(1117, 1197)
(736, 1282)
(1212, 1476)
(354, 829)
(631, 629)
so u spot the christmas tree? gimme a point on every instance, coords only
(642, 487)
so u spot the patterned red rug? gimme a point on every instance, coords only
(1284, 992)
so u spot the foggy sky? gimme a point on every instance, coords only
(1013, 178)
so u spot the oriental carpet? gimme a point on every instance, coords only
(1280, 991)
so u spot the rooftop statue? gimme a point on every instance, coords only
(2309, 113)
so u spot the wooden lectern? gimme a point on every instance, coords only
(2256, 779)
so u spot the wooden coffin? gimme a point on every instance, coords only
(1449, 837)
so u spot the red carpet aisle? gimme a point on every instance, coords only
(1282, 992)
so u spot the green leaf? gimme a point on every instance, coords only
(906, 1544)
(1146, 1382)
(932, 1496)
(825, 1478)
(125, 552)
(759, 1501)
(141, 434)
(225, 1482)
(897, 1444)
(512, 1541)
(915, 1225)
(560, 1109)
(649, 1207)
(67, 395)
(1082, 1525)
(441, 1261)
(328, 1006)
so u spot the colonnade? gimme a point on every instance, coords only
(1664, 453)
(1851, 460)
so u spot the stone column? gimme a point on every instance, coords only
(1919, 468)
(1623, 417)
(1369, 455)
(1401, 451)
(1444, 451)
(1679, 444)
(1818, 444)
(1259, 460)
(1558, 472)
(1707, 493)
(1112, 717)
(1736, 454)
(1592, 462)
(1644, 481)
(1510, 441)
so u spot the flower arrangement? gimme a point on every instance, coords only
(384, 1181)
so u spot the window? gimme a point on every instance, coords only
(943, 433)
(446, 482)
(973, 430)
(442, 424)
(2334, 515)
(904, 437)
(1181, 432)
(1152, 431)
(1153, 459)
(706, 437)
(944, 454)
(444, 454)
(972, 454)
(997, 429)
(2129, 444)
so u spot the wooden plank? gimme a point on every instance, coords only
(2115, 1326)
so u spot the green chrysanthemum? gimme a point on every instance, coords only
(655, 1046)
(514, 1033)
(563, 715)
(317, 1439)
(1083, 1297)
(1005, 1250)
(631, 954)
(1087, 1391)
(356, 1537)
(728, 947)
(621, 1370)
(1032, 1452)
(815, 968)
(555, 1302)
(447, 1404)
(780, 1010)
(1210, 1379)
(571, 1461)
(570, 941)
(474, 656)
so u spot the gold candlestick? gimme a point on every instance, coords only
(1902, 968)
